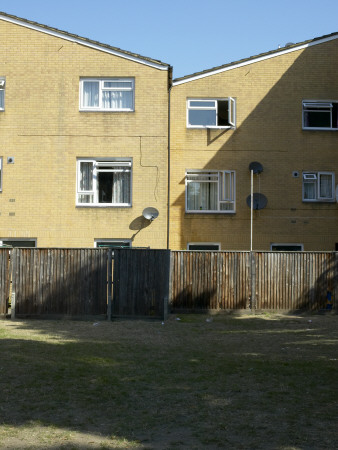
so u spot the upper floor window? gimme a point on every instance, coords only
(107, 94)
(2, 93)
(320, 115)
(103, 182)
(211, 113)
(318, 187)
(210, 191)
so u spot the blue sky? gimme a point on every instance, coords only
(191, 35)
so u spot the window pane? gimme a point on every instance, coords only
(91, 94)
(86, 176)
(317, 119)
(202, 117)
(310, 191)
(202, 104)
(223, 113)
(118, 84)
(202, 196)
(117, 99)
(2, 99)
(325, 186)
(86, 198)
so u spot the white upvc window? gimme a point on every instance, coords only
(211, 113)
(107, 94)
(104, 182)
(2, 93)
(210, 191)
(318, 187)
(320, 115)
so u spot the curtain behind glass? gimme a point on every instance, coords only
(310, 191)
(121, 187)
(202, 196)
(86, 181)
(325, 186)
(117, 99)
(91, 94)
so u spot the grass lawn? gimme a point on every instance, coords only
(238, 381)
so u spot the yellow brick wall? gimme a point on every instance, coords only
(269, 96)
(43, 129)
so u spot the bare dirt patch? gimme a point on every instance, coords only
(266, 381)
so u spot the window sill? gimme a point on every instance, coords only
(108, 110)
(88, 205)
(210, 212)
(319, 129)
(320, 201)
(200, 127)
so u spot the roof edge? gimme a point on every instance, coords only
(254, 59)
(84, 41)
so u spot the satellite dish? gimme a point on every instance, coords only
(259, 201)
(150, 213)
(256, 167)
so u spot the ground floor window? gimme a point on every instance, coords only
(112, 243)
(287, 247)
(17, 242)
(211, 246)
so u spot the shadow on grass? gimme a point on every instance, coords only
(190, 383)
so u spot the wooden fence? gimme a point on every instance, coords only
(61, 282)
(149, 283)
(141, 283)
(257, 280)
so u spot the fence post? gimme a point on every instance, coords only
(253, 280)
(110, 279)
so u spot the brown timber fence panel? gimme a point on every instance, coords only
(141, 283)
(210, 280)
(5, 274)
(260, 280)
(66, 282)
(295, 280)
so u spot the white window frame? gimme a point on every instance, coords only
(98, 165)
(2, 91)
(324, 106)
(201, 244)
(219, 176)
(279, 244)
(102, 88)
(314, 177)
(232, 111)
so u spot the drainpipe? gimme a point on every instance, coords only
(168, 195)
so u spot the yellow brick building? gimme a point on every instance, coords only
(278, 110)
(84, 140)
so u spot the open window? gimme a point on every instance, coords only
(318, 187)
(210, 191)
(2, 93)
(104, 182)
(320, 115)
(211, 113)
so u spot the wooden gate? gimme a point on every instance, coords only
(141, 283)
(5, 274)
